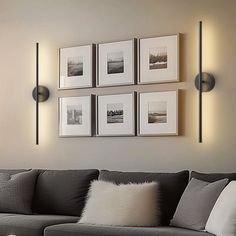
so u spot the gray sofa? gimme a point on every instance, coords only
(60, 197)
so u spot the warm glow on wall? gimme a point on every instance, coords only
(209, 117)
(204, 82)
(210, 47)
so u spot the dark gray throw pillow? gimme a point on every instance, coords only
(196, 203)
(16, 192)
(62, 192)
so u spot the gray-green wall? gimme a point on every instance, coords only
(64, 23)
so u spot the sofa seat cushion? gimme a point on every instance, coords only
(171, 187)
(30, 225)
(93, 230)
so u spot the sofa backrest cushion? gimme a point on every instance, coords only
(212, 177)
(62, 192)
(16, 192)
(172, 186)
(13, 171)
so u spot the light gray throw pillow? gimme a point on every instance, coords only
(196, 204)
(16, 192)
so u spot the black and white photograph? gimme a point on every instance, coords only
(115, 113)
(158, 58)
(116, 63)
(74, 114)
(75, 66)
(158, 113)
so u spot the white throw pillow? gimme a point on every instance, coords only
(222, 220)
(123, 205)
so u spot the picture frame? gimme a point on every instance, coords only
(116, 114)
(76, 116)
(159, 59)
(77, 67)
(117, 63)
(158, 113)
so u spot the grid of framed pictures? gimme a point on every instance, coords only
(116, 114)
(115, 63)
(128, 62)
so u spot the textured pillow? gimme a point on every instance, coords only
(171, 185)
(16, 192)
(62, 192)
(222, 220)
(123, 205)
(196, 204)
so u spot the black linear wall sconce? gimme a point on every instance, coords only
(204, 82)
(40, 93)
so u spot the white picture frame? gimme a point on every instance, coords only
(159, 59)
(116, 114)
(116, 63)
(158, 113)
(75, 116)
(77, 67)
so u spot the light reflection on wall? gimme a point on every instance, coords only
(47, 77)
(210, 65)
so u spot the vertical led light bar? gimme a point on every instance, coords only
(200, 83)
(37, 93)
(40, 94)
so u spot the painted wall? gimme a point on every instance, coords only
(64, 23)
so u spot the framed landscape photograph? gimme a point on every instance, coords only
(158, 113)
(75, 116)
(116, 63)
(116, 115)
(159, 59)
(77, 67)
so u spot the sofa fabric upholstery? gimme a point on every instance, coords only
(17, 191)
(171, 185)
(211, 177)
(95, 230)
(30, 225)
(13, 171)
(62, 192)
